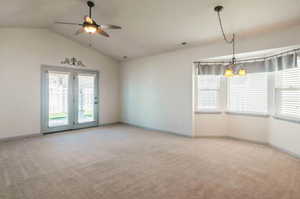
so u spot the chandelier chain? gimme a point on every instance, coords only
(229, 41)
(223, 32)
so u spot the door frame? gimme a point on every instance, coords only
(72, 99)
(96, 99)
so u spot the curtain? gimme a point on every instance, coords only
(267, 65)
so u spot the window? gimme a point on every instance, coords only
(208, 91)
(248, 94)
(287, 91)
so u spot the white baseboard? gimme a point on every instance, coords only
(154, 129)
(210, 136)
(20, 137)
(109, 124)
(246, 140)
(295, 155)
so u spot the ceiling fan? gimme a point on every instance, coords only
(90, 26)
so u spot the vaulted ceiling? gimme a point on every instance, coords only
(152, 26)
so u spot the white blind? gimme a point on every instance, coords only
(289, 78)
(248, 94)
(288, 92)
(208, 88)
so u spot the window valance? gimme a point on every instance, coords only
(268, 64)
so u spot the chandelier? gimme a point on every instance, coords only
(230, 69)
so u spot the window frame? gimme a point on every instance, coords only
(277, 100)
(277, 103)
(218, 109)
(223, 96)
(248, 113)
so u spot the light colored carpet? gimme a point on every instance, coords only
(122, 162)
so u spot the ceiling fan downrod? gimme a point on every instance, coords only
(90, 5)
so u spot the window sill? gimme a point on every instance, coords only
(247, 114)
(286, 118)
(208, 112)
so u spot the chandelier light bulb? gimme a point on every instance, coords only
(229, 72)
(242, 72)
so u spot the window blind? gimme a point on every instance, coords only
(208, 88)
(288, 93)
(248, 94)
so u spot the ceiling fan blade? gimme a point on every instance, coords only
(109, 26)
(103, 33)
(67, 23)
(79, 31)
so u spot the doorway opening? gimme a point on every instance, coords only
(70, 98)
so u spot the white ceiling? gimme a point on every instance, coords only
(152, 26)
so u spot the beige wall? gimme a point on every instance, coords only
(285, 135)
(210, 125)
(251, 128)
(238, 126)
(279, 133)
(152, 96)
(22, 51)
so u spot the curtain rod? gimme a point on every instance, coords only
(248, 60)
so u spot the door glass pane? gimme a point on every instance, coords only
(58, 99)
(86, 96)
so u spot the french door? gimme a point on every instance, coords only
(69, 98)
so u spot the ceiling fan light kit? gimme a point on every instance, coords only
(89, 28)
